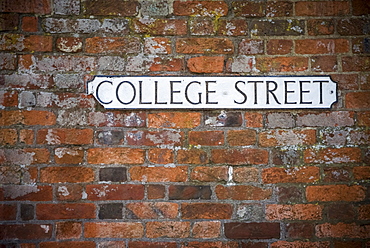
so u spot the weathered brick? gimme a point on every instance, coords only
(223, 119)
(106, 244)
(67, 7)
(326, 119)
(292, 137)
(249, 9)
(41, 7)
(335, 193)
(241, 63)
(291, 175)
(342, 230)
(174, 120)
(146, 244)
(202, 26)
(210, 244)
(299, 230)
(206, 229)
(152, 210)
(69, 44)
(289, 194)
(353, 26)
(153, 138)
(159, 174)
(279, 47)
(206, 211)
(242, 192)
(292, 27)
(360, 45)
(232, 27)
(245, 174)
(103, 192)
(253, 119)
(155, 8)
(204, 45)
(8, 212)
(31, 43)
(68, 230)
(282, 120)
(206, 138)
(294, 212)
(9, 21)
(282, 64)
(200, 8)
(320, 27)
(68, 244)
(332, 155)
(114, 8)
(119, 155)
(157, 45)
(70, 192)
(156, 191)
(250, 212)
(8, 99)
(66, 175)
(241, 137)
(300, 244)
(279, 8)
(64, 136)
(29, 81)
(8, 61)
(321, 46)
(240, 156)
(324, 63)
(160, 156)
(113, 230)
(160, 26)
(206, 64)
(117, 119)
(209, 174)
(65, 155)
(322, 8)
(25, 156)
(188, 192)
(167, 64)
(334, 174)
(192, 156)
(25, 231)
(168, 229)
(285, 156)
(356, 63)
(112, 45)
(65, 211)
(8, 137)
(251, 46)
(260, 230)
(363, 118)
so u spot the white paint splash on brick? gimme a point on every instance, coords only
(62, 190)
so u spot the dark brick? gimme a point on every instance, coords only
(9, 21)
(185, 192)
(299, 230)
(341, 212)
(224, 119)
(110, 137)
(348, 27)
(254, 245)
(112, 7)
(262, 230)
(334, 174)
(282, 157)
(111, 211)
(277, 27)
(27, 212)
(113, 174)
(290, 194)
(249, 8)
(360, 7)
(30, 6)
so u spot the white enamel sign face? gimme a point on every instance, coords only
(279, 92)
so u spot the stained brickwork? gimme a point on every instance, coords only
(75, 175)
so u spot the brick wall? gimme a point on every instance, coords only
(75, 175)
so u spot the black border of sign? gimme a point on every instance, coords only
(210, 109)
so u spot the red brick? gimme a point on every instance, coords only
(363, 118)
(206, 211)
(38, 43)
(119, 155)
(117, 119)
(113, 230)
(358, 100)
(159, 174)
(156, 191)
(322, 8)
(206, 64)
(320, 27)
(210, 244)
(245, 174)
(346, 81)
(113, 8)
(324, 63)
(167, 64)
(279, 8)
(282, 64)
(68, 230)
(8, 137)
(334, 174)
(41, 7)
(71, 192)
(206, 138)
(342, 230)
(8, 212)
(240, 156)
(361, 172)
(174, 120)
(192, 156)
(69, 44)
(204, 46)
(356, 63)
(30, 23)
(322, 46)
(261, 230)
(66, 155)
(168, 229)
(160, 156)
(279, 47)
(287, 137)
(202, 26)
(242, 192)
(112, 45)
(66, 174)
(344, 244)
(104, 192)
(200, 8)
(209, 174)
(283, 27)
(154, 138)
(251, 46)
(65, 211)
(233, 27)
(8, 98)
(144, 244)
(153, 210)
(38, 117)
(364, 212)
(9, 21)
(249, 9)
(294, 212)
(253, 119)
(157, 45)
(26, 136)
(65, 136)
(206, 229)
(26, 193)
(291, 175)
(300, 244)
(332, 155)
(68, 244)
(25, 231)
(335, 193)
(241, 137)
(160, 26)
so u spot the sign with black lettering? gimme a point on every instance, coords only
(241, 92)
